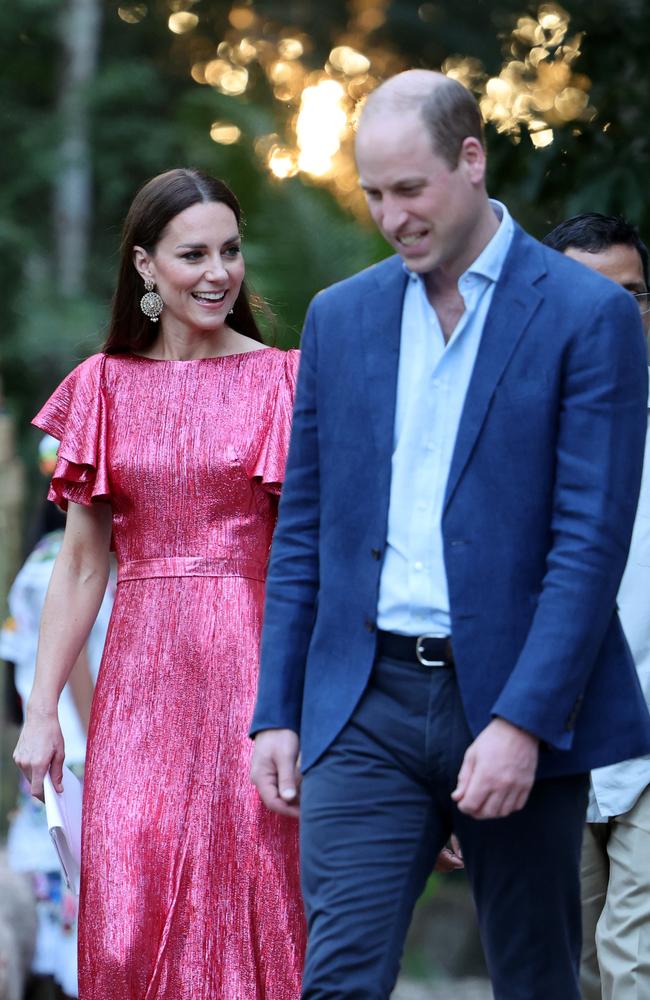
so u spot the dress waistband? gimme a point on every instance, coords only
(146, 569)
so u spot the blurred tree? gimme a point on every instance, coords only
(79, 26)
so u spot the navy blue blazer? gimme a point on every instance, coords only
(538, 513)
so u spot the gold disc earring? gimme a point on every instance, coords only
(151, 303)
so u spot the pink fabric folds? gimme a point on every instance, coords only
(75, 414)
(267, 462)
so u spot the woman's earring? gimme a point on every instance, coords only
(151, 303)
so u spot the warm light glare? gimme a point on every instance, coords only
(282, 162)
(182, 21)
(290, 48)
(535, 93)
(224, 133)
(245, 52)
(348, 61)
(241, 18)
(322, 120)
(542, 138)
(132, 14)
(215, 70)
(234, 81)
(538, 89)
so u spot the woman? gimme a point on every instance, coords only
(173, 444)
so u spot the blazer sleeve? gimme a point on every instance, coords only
(599, 459)
(292, 582)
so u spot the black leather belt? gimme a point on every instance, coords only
(427, 649)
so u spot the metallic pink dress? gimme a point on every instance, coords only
(190, 887)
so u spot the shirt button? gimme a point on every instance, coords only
(422, 505)
(418, 566)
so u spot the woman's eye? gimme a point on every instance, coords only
(232, 251)
(193, 255)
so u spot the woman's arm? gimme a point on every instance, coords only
(73, 598)
(80, 684)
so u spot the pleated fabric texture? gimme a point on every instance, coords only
(190, 887)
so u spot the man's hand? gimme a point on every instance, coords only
(498, 771)
(275, 772)
(450, 858)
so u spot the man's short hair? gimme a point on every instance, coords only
(594, 233)
(451, 114)
(448, 110)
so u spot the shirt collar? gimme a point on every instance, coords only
(489, 262)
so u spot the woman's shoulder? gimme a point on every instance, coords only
(274, 359)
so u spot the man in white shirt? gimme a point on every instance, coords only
(615, 869)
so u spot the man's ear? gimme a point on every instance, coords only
(142, 263)
(472, 156)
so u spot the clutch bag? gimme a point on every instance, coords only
(63, 811)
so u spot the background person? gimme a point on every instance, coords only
(615, 868)
(29, 847)
(173, 443)
(441, 639)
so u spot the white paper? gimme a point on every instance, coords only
(63, 811)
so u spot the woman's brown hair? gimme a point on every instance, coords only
(154, 206)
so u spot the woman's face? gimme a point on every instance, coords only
(197, 266)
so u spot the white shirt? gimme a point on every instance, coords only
(616, 788)
(432, 382)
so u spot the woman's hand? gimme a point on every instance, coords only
(40, 749)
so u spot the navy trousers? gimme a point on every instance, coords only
(375, 812)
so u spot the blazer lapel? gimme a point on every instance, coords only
(514, 302)
(381, 326)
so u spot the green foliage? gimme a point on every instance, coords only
(147, 114)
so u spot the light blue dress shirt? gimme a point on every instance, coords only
(432, 382)
(615, 789)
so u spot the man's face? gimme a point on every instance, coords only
(424, 209)
(621, 263)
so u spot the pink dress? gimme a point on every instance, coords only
(190, 887)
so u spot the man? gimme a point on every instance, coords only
(440, 625)
(615, 868)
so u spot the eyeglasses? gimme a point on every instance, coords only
(643, 302)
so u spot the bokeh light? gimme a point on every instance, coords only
(182, 22)
(224, 133)
(536, 91)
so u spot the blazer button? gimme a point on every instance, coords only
(370, 625)
(375, 553)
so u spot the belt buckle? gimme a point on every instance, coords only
(419, 649)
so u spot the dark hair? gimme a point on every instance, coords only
(594, 232)
(154, 206)
(451, 115)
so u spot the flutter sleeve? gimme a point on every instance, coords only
(268, 457)
(75, 414)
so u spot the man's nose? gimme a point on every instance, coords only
(393, 217)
